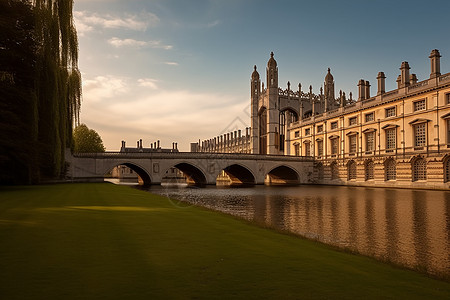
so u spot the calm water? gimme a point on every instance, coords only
(407, 227)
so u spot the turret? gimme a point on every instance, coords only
(272, 73)
(329, 89)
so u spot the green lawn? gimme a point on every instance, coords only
(100, 241)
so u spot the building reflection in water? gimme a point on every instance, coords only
(407, 227)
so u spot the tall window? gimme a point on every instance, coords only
(391, 138)
(351, 170)
(297, 149)
(419, 105)
(390, 170)
(263, 132)
(370, 141)
(352, 140)
(334, 146)
(307, 149)
(297, 134)
(334, 170)
(352, 121)
(319, 128)
(420, 135)
(391, 112)
(368, 170)
(334, 125)
(419, 169)
(319, 148)
(447, 98)
(448, 131)
(282, 126)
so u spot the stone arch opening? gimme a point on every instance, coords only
(282, 175)
(130, 173)
(194, 176)
(235, 175)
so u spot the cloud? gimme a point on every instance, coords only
(117, 42)
(171, 63)
(123, 109)
(148, 82)
(104, 87)
(213, 24)
(86, 21)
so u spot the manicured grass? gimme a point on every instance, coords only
(100, 241)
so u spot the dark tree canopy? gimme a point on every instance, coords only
(87, 140)
(40, 88)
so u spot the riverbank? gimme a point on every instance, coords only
(85, 241)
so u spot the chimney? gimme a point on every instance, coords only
(399, 80)
(381, 79)
(404, 80)
(413, 78)
(367, 90)
(435, 63)
(362, 89)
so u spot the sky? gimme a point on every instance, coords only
(179, 70)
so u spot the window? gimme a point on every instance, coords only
(391, 112)
(447, 98)
(390, 170)
(307, 149)
(334, 170)
(390, 138)
(319, 148)
(448, 131)
(334, 146)
(319, 128)
(368, 170)
(420, 135)
(370, 141)
(352, 121)
(370, 117)
(297, 134)
(334, 125)
(297, 149)
(352, 143)
(419, 169)
(419, 105)
(351, 170)
(307, 131)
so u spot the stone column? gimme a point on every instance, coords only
(435, 63)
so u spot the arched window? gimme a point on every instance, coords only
(368, 170)
(419, 169)
(351, 170)
(447, 170)
(334, 170)
(390, 170)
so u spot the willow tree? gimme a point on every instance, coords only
(58, 82)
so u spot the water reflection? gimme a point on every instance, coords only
(407, 227)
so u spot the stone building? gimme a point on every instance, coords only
(393, 138)
(396, 138)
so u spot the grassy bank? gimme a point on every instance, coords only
(92, 241)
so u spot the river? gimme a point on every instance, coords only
(405, 227)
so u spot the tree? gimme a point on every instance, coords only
(87, 140)
(18, 105)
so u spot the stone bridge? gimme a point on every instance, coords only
(200, 168)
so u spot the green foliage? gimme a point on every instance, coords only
(40, 88)
(87, 140)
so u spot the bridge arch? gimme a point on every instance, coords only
(239, 175)
(195, 176)
(143, 174)
(282, 175)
